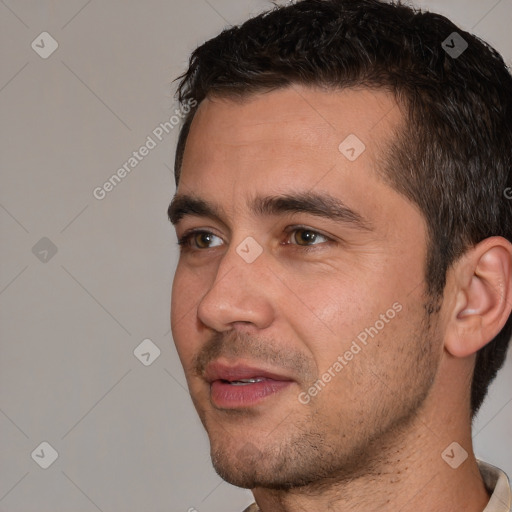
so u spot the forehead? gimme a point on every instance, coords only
(269, 142)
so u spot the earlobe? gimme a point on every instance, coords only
(483, 296)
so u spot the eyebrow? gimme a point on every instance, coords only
(310, 203)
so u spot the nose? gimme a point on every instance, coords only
(240, 293)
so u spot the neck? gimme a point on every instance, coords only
(410, 475)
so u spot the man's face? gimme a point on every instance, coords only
(302, 336)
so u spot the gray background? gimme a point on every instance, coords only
(127, 436)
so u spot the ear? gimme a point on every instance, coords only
(483, 296)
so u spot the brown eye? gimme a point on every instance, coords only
(307, 236)
(203, 239)
(199, 240)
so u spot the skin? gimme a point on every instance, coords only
(372, 438)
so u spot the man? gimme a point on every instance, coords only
(344, 290)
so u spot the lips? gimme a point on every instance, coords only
(239, 372)
(239, 385)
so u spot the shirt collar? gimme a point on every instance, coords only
(498, 485)
(495, 480)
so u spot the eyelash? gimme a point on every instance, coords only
(184, 240)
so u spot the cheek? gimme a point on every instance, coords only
(370, 354)
(328, 301)
(330, 312)
(177, 299)
(188, 287)
(184, 300)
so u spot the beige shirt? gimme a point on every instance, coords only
(495, 480)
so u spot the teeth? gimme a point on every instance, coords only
(244, 382)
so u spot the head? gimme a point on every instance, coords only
(278, 102)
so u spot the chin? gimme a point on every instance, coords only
(287, 465)
(256, 475)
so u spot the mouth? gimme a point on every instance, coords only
(241, 386)
(243, 382)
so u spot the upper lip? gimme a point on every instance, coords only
(238, 371)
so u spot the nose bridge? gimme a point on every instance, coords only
(236, 294)
(244, 260)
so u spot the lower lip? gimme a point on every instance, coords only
(229, 396)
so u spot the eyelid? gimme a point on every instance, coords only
(297, 227)
(185, 238)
